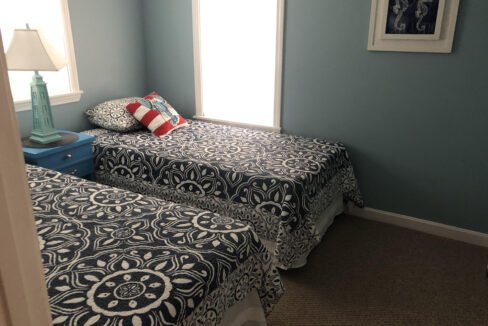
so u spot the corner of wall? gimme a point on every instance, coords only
(145, 41)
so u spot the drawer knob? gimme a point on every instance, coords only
(74, 171)
(68, 156)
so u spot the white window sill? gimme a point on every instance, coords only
(238, 124)
(72, 97)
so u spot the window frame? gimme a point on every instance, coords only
(278, 70)
(75, 94)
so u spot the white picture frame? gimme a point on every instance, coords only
(439, 41)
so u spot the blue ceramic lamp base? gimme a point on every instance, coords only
(43, 131)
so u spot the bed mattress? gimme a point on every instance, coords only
(114, 257)
(278, 183)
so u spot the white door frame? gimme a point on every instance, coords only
(23, 294)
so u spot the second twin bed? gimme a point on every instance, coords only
(114, 257)
(289, 188)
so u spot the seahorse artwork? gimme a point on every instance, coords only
(420, 13)
(400, 7)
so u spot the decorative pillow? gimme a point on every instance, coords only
(113, 115)
(156, 114)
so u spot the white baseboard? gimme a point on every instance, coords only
(413, 223)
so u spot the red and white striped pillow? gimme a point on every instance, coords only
(156, 114)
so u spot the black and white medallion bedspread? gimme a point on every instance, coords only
(114, 257)
(279, 183)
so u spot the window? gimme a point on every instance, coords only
(52, 17)
(238, 57)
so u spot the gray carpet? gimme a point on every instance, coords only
(369, 273)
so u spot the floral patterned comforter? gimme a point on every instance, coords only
(114, 257)
(278, 183)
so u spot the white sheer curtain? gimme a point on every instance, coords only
(237, 57)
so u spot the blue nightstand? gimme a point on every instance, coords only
(75, 158)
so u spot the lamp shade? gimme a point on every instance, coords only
(29, 50)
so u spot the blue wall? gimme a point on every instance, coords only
(415, 123)
(109, 46)
(169, 52)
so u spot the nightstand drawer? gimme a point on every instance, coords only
(65, 157)
(80, 169)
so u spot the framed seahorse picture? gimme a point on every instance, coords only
(413, 19)
(413, 25)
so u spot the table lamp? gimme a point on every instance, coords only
(29, 51)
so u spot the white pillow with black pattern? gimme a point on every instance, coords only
(112, 115)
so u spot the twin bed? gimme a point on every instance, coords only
(289, 188)
(114, 257)
(233, 205)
